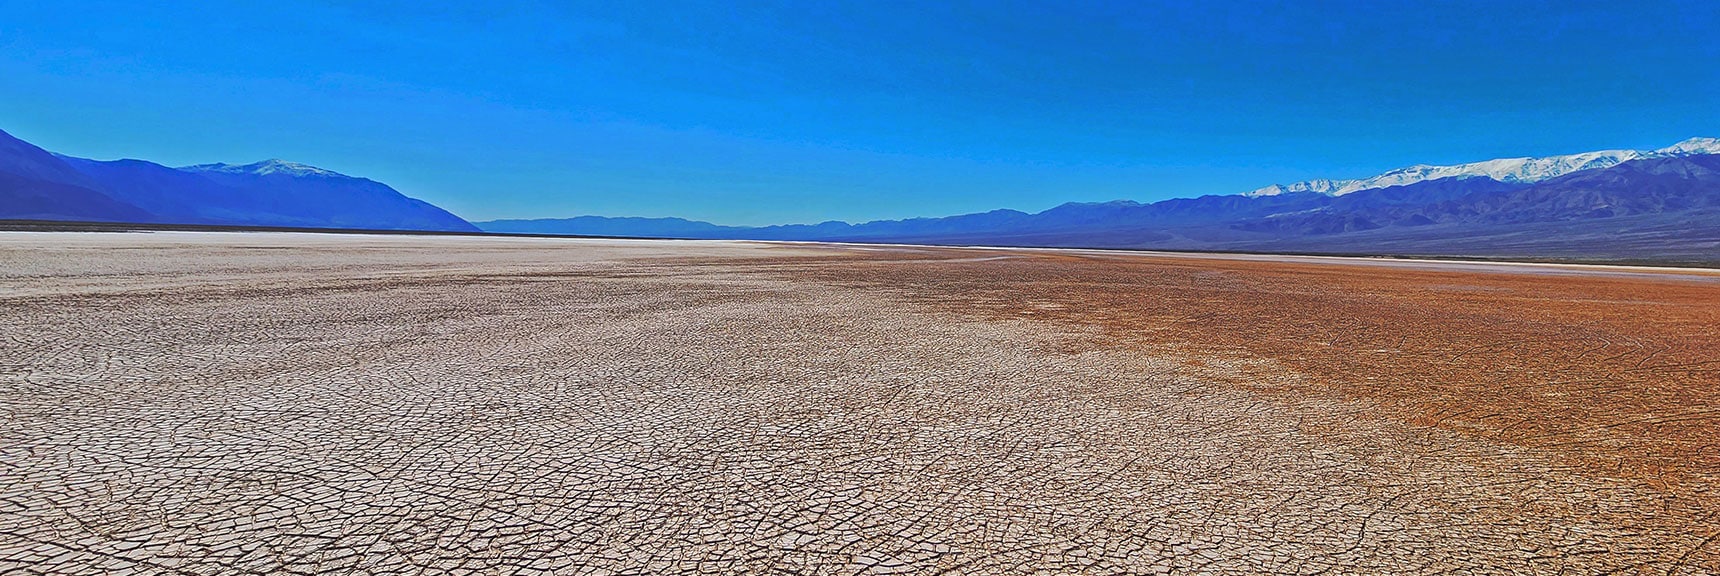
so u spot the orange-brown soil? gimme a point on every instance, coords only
(1611, 373)
(183, 403)
(1613, 370)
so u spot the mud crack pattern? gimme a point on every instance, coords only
(301, 404)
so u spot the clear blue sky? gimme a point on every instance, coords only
(802, 111)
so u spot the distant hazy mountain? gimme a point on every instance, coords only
(1659, 205)
(633, 227)
(1665, 203)
(35, 184)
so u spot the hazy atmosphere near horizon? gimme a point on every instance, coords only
(755, 113)
(855, 288)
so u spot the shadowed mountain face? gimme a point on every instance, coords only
(35, 184)
(1643, 187)
(283, 193)
(172, 195)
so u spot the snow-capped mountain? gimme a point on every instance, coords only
(1514, 170)
(299, 195)
(1663, 204)
(1320, 186)
(1692, 147)
(265, 168)
(1662, 208)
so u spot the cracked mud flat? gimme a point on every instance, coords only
(294, 403)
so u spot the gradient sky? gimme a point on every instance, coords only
(802, 111)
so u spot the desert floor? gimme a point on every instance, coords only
(225, 403)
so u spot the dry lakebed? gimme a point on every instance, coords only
(295, 403)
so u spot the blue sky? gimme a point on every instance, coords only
(772, 112)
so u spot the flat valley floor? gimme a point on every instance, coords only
(262, 403)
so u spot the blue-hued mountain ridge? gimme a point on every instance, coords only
(1615, 204)
(38, 185)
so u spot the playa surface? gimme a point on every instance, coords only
(220, 403)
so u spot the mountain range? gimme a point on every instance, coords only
(1653, 206)
(1656, 205)
(1519, 170)
(38, 185)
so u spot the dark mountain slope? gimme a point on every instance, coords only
(1651, 186)
(36, 185)
(298, 195)
(174, 195)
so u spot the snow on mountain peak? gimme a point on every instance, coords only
(1503, 169)
(265, 168)
(1321, 186)
(1692, 147)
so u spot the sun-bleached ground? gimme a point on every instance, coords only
(218, 403)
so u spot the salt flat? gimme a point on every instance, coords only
(218, 403)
